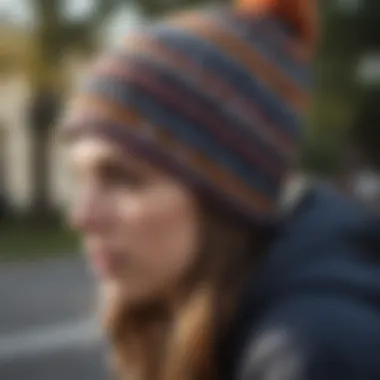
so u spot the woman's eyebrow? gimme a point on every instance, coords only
(121, 160)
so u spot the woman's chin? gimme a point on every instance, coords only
(114, 290)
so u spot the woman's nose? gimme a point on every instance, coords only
(86, 215)
(79, 218)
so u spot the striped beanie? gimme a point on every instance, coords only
(213, 97)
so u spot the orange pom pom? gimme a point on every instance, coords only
(300, 14)
(255, 6)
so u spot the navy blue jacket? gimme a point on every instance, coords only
(313, 312)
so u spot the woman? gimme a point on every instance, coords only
(181, 142)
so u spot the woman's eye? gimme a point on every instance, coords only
(118, 175)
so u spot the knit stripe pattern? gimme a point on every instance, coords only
(215, 98)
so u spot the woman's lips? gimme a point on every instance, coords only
(105, 264)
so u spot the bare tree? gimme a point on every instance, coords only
(54, 35)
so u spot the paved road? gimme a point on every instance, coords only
(68, 364)
(48, 327)
(33, 294)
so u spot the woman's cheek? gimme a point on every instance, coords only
(137, 224)
(159, 228)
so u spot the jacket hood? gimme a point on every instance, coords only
(329, 245)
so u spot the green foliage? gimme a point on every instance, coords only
(321, 153)
(55, 35)
(25, 240)
(338, 94)
(154, 8)
(365, 132)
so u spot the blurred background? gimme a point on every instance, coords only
(46, 294)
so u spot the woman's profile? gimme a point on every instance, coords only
(181, 142)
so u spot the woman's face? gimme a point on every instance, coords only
(139, 227)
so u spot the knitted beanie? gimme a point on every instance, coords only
(213, 97)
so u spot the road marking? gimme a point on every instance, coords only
(40, 341)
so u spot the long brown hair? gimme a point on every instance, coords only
(156, 342)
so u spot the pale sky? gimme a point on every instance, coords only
(17, 10)
(21, 11)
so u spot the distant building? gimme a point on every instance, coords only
(15, 91)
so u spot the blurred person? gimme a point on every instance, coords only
(365, 140)
(360, 174)
(214, 261)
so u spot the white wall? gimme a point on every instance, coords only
(14, 95)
